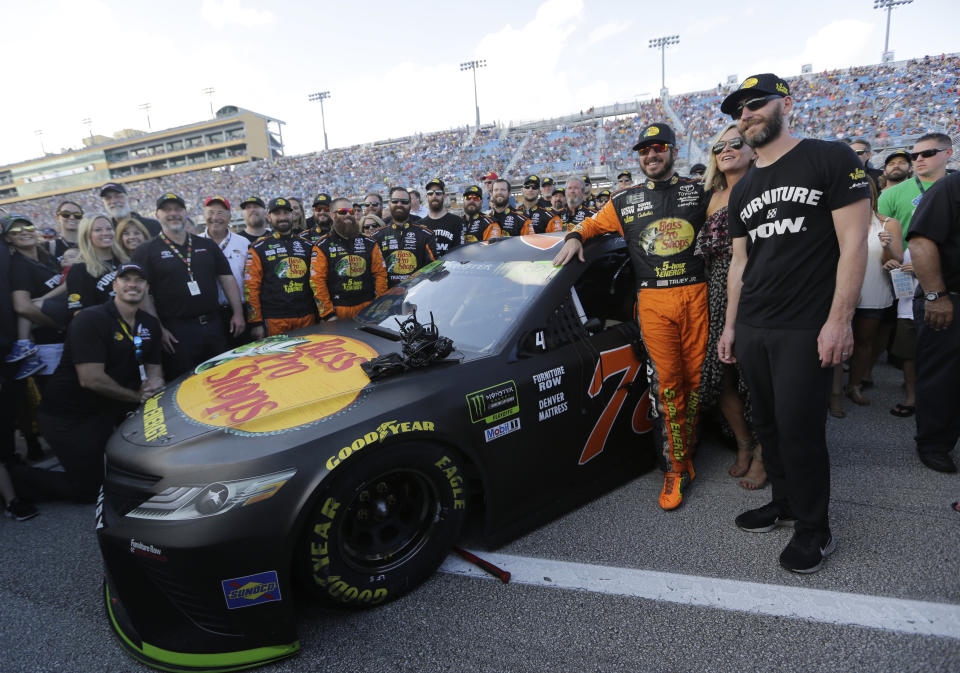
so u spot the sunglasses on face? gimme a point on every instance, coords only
(734, 143)
(322, 209)
(471, 197)
(67, 215)
(435, 192)
(926, 154)
(659, 148)
(752, 105)
(623, 179)
(531, 187)
(370, 205)
(344, 211)
(860, 153)
(397, 201)
(21, 228)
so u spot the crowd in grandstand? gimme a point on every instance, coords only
(352, 195)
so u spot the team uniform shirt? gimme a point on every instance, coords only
(277, 279)
(901, 200)
(314, 234)
(543, 202)
(785, 208)
(938, 218)
(405, 249)
(253, 238)
(37, 278)
(479, 228)
(447, 230)
(543, 220)
(346, 272)
(571, 219)
(99, 335)
(152, 226)
(84, 290)
(170, 281)
(660, 222)
(512, 222)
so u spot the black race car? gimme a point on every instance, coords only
(282, 464)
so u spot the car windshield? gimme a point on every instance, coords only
(473, 303)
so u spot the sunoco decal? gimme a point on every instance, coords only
(493, 403)
(499, 431)
(242, 592)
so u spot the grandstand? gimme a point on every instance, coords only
(888, 104)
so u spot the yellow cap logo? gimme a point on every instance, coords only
(752, 81)
(652, 131)
(782, 88)
(281, 202)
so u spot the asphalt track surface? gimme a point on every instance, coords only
(617, 585)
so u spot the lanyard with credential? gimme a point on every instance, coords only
(192, 286)
(920, 185)
(137, 347)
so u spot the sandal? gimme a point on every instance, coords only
(855, 394)
(903, 410)
(836, 406)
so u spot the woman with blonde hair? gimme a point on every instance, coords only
(130, 234)
(90, 281)
(370, 223)
(720, 384)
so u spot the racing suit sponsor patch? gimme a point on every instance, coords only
(243, 592)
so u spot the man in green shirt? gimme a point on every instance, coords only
(930, 155)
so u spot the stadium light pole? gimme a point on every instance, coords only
(39, 134)
(888, 5)
(89, 124)
(146, 108)
(209, 91)
(321, 96)
(662, 43)
(473, 65)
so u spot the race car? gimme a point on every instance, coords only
(342, 460)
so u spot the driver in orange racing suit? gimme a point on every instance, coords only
(660, 219)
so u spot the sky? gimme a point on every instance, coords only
(392, 69)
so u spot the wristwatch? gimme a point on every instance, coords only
(933, 296)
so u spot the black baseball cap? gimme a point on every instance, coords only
(898, 153)
(585, 178)
(322, 199)
(656, 133)
(764, 84)
(438, 182)
(7, 221)
(473, 190)
(168, 197)
(256, 200)
(625, 174)
(698, 169)
(279, 203)
(547, 182)
(532, 180)
(132, 268)
(560, 190)
(113, 187)
(604, 192)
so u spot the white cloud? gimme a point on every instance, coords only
(604, 32)
(220, 13)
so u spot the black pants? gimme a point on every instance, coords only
(790, 393)
(196, 342)
(938, 382)
(79, 444)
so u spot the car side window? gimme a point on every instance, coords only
(607, 291)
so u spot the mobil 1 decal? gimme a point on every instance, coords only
(620, 364)
(494, 403)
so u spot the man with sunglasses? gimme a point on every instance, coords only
(476, 225)
(276, 279)
(541, 220)
(373, 205)
(930, 155)
(804, 210)
(318, 224)
(660, 220)
(346, 268)
(512, 222)
(68, 217)
(447, 228)
(110, 365)
(624, 179)
(117, 203)
(863, 150)
(406, 245)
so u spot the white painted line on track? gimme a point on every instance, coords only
(818, 605)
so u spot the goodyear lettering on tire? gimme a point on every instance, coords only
(384, 430)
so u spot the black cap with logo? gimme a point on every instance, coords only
(473, 190)
(532, 180)
(438, 182)
(252, 200)
(656, 133)
(757, 86)
(547, 182)
(322, 199)
(113, 187)
(899, 153)
(170, 197)
(279, 203)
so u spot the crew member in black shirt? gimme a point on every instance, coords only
(110, 365)
(546, 193)
(318, 224)
(254, 213)
(117, 203)
(186, 271)
(447, 228)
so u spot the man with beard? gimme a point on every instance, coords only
(541, 220)
(254, 218)
(117, 203)
(276, 282)
(512, 221)
(318, 224)
(897, 167)
(589, 198)
(447, 228)
(930, 155)
(546, 193)
(624, 179)
(187, 274)
(862, 149)
(575, 210)
(406, 246)
(476, 225)
(558, 202)
(806, 208)
(373, 205)
(660, 220)
(346, 269)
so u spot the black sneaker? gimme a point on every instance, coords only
(806, 551)
(20, 510)
(764, 519)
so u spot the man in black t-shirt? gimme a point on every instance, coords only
(254, 212)
(117, 203)
(186, 273)
(804, 208)
(934, 238)
(110, 365)
(447, 228)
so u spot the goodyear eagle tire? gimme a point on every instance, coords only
(383, 524)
